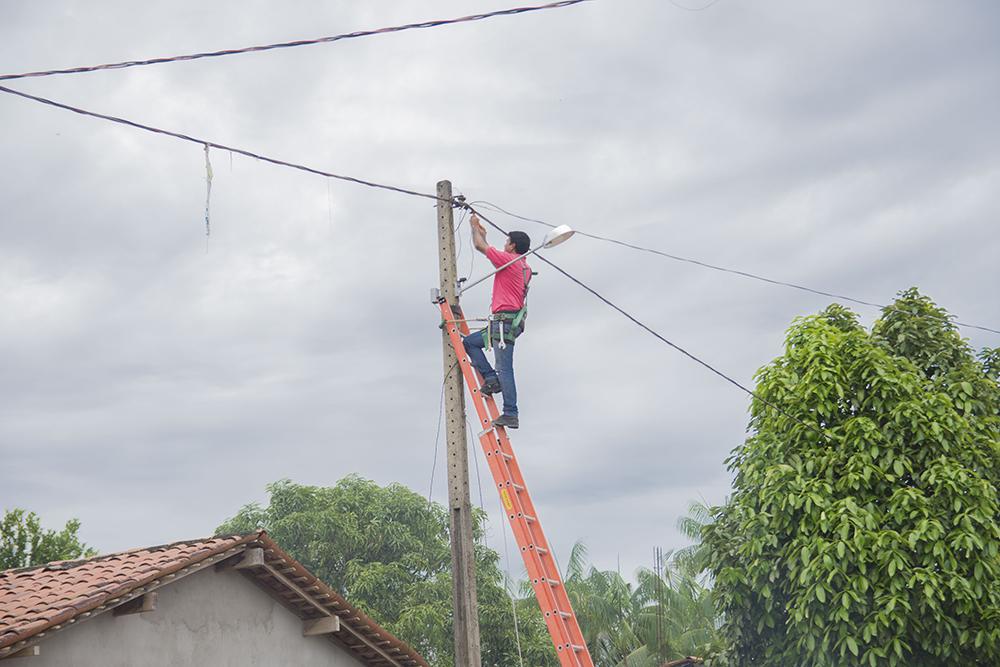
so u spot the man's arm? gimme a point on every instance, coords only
(478, 234)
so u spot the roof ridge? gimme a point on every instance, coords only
(64, 609)
(113, 579)
(71, 563)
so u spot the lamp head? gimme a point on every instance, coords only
(557, 235)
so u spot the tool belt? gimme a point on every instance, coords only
(504, 327)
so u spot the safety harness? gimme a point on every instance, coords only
(509, 323)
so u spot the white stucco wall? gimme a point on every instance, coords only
(207, 618)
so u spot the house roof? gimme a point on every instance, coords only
(37, 601)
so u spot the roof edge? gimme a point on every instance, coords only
(358, 620)
(315, 590)
(10, 639)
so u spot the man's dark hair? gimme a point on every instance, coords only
(521, 241)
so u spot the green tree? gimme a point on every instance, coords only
(386, 550)
(863, 524)
(677, 616)
(24, 543)
(693, 560)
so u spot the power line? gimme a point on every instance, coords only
(660, 337)
(715, 267)
(213, 144)
(286, 45)
(392, 188)
(383, 186)
(204, 142)
(415, 193)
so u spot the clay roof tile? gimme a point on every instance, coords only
(35, 598)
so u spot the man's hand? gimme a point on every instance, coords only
(478, 234)
(476, 225)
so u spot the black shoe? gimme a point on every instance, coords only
(507, 421)
(490, 386)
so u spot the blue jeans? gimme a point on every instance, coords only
(474, 345)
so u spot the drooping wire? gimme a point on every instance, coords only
(208, 191)
(392, 188)
(459, 247)
(660, 337)
(329, 203)
(506, 549)
(510, 592)
(213, 144)
(437, 436)
(285, 45)
(472, 255)
(479, 481)
(715, 267)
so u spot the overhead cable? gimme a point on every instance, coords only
(392, 188)
(715, 267)
(286, 45)
(213, 144)
(662, 338)
(426, 195)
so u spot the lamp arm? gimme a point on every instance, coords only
(498, 269)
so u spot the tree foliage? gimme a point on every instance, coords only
(386, 550)
(863, 525)
(24, 543)
(641, 624)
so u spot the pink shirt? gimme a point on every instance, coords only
(508, 284)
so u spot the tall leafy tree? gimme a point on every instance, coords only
(23, 541)
(386, 550)
(863, 525)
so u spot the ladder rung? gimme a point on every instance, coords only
(541, 550)
(565, 614)
(517, 487)
(577, 647)
(530, 519)
(507, 456)
(552, 582)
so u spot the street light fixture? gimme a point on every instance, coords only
(554, 237)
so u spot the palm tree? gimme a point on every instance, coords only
(678, 617)
(641, 625)
(693, 559)
(664, 616)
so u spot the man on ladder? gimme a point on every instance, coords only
(508, 310)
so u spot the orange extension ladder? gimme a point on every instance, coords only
(538, 558)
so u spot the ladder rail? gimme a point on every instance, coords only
(550, 579)
(538, 558)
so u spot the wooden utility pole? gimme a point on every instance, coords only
(463, 556)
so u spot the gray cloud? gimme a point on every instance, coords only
(155, 380)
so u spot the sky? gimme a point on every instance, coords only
(155, 379)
